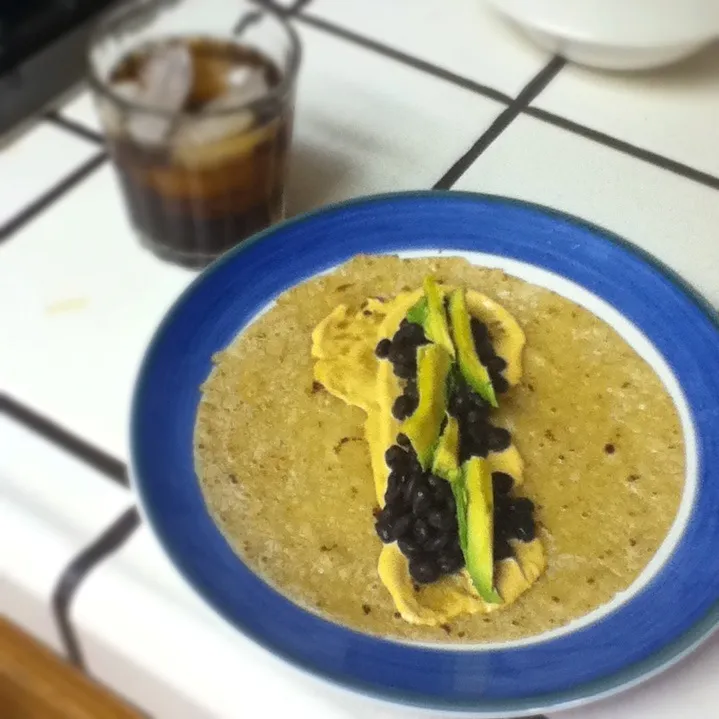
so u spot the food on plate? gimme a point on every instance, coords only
(426, 449)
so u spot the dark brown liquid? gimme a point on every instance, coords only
(193, 202)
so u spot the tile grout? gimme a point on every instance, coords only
(404, 58)
(50, 196)
(626, 148)
(530, 91)
(79, 448)
(54, 117)
(69, 582)
(601, 138)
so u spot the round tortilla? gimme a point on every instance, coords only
(286, 474)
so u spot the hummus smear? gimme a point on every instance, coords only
(343, 346)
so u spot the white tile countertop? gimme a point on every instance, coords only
(402, 95)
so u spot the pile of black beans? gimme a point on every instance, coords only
(513, 516)
(490, 359)
(420, 515)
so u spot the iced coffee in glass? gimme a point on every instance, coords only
(196, 101)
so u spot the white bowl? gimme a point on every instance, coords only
(617, 34)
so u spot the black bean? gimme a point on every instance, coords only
(497, 364)
(410, 334)
(384, 532)
(498, 439)
(422, 501)
(382, 348)
(525, 531)
(499, 384)
(415, 480)
(502, 549)
(440, 487)
(424, 570)
(523, 505)
(475, 418)
(485, 352)
(502, 482)
(405, 371)
(442, 519)
(472, 446)
(421, 530)
(410, 548)
(436, 542)
(449, 562)
(458, 405)
(415, 468)
(479, 330)
(396, 457)
(450, 503)
(402, 526)
(410, 388)
(392, 493)
(403, 441)
(403, 407)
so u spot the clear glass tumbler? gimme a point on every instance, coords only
(196, 99)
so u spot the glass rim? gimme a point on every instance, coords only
(111, 22)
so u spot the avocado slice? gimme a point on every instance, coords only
(446, 457)
(423, 426)
(435, 325)
(446, 465)
(478, 554)
(473, 371)
(417, 313)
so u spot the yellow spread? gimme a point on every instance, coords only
(343, 346)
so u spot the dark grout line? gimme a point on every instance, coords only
(52, 195)
(247, 20)
(300, 6)
(96, 458)
(501, 122)
(74, 127)
(414, 62)
(627, 148)
(78, 570)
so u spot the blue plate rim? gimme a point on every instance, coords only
(580, 694)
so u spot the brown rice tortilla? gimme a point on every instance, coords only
(286, 473)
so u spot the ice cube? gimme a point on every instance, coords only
(166, 83)
(204, 141)
(111, 114)
(149, 130)
(245, 84)
(167, 78)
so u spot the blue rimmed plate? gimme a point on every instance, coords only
(671, 607)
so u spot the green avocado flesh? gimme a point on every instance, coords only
(473, 371)
(446, 457)
(417, 314)
(435, 325)
(423, 426)
(479, 527)
(446, 465)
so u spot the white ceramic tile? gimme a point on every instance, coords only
(81, 109)
(33, 161)
(462, 36)
(672, 111)
(95, 316)
(51, 506)
(79, 300)
(145, 633)
(672, 218)
(354, 136)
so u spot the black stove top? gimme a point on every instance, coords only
(42, 52)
